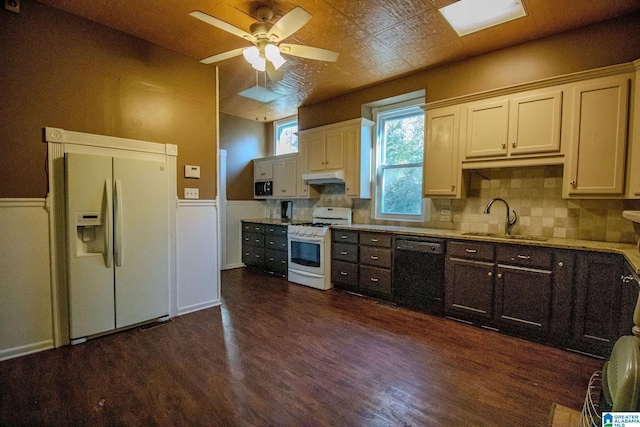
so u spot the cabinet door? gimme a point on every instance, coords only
(487, 126)
(315, 152)
(534, 123)
(334, 150)
(441, 162)
(523, 299)
(469, 289)
(262, 170)
(597, 302)
(284, 178)
(302, 187)
(598, 137)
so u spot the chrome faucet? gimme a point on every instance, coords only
(510, 222)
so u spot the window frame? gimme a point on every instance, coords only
(381, 114)
(283, 123)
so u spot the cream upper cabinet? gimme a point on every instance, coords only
(598, 137)
(284, 176)
(442, 172)
(534, 123)
(341, 146)
(303, 189)
(487, 129)
(262, 169)
(523, 125)
(326, 151)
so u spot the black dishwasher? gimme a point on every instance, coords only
(418, 273)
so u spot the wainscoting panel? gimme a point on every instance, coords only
(26, 322)
(197, 250)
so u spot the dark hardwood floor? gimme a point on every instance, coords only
(282, 354)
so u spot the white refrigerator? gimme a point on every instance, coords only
(118, 242)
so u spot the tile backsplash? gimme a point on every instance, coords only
(535, 193)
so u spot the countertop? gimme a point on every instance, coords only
(628, 250)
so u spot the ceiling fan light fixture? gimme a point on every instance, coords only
(260, 63)
(273, 54)
(251, 54)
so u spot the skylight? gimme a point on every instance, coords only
(260, 94)
(469, 16)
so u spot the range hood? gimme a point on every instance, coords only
(333, 177)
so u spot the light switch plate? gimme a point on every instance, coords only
(191, 171)
(191, 193)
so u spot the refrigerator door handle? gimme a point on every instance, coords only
(118, 224)
(108, 234)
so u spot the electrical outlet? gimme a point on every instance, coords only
(12, 5)
(191, 193)
(445, 215)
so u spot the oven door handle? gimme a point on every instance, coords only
(304, 240)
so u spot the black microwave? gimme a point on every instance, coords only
(263, 188)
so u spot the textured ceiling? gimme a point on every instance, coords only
(377, 39)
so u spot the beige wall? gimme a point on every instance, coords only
(244, 140)
(612, 42)
(61, 70)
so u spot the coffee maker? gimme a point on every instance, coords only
(286, 210)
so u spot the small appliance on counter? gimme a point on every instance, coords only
(286, 210)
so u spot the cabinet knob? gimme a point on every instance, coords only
(504, 145)
(343, 252)
(513, 144)
(573, 183)
(374, 279)
(499, 275)
(490, 274)
(453, 187)
(344, 273)
(373, 257)
(374, 240)
(561, 264)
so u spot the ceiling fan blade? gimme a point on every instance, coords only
(222, 25)
(274, 75)
(288, 24)
(309, 52)
(222, 56)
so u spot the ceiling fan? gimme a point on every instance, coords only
(266, 38)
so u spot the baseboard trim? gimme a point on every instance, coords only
(12, 353)
(198, 307)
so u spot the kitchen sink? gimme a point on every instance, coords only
(504, 236)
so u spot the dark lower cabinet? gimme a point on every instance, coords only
(361, 262)
(597, 302)
(469, 291)
(264, 247)
(578, 300)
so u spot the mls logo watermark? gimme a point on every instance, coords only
(621, 419)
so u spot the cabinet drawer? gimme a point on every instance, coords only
(276, 261)
(378, 257)
(253, 239)
(345, 236)
(253, 227)
(276, 242)
(344, 252)
(471, 250)
(253, 256)
(527, 256)
(276, 230)
(375, 279)
(344, 272)
(375, 239)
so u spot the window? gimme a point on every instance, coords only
(399, 153)
(286, 140)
